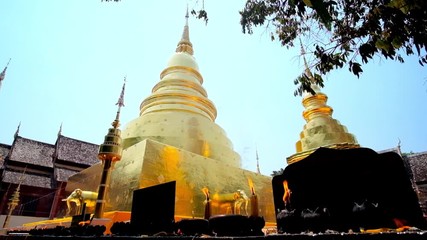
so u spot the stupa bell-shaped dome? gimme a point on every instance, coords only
(179, 113)
(183, 59)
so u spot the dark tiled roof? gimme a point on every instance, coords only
(29, 179)
(422, 197)
(33, 152)
(77, 151)
(418, 162)
(4, 150)
(62, 174)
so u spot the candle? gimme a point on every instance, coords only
(254, 199)
(254, 205)
(207, 202)
(287, 193)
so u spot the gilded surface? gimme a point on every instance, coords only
(179, 113)
(175, 138)
(321, 130)
(150, 163)
(87, 179)
(183, 130)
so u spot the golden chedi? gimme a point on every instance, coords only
(175, 138)
(320, 130)
(179, 113)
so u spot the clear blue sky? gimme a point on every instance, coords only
(69, 59)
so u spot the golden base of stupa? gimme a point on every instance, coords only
(149, 163)
(301, 155)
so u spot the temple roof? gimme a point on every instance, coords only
(4, 151)
(71, 156)
(62, 174)
(77, 151)
(29, 179)
(33, 152)
(70, 150)
(418, 162)
(395, 149)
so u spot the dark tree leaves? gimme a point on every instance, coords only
(355, 30)
(355, 68)
(199, 11)
(200, 14)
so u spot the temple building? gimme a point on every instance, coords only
(417, 165)
(42, 169)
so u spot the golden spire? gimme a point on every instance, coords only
(184, 45)
(307, 68)
(321, 130)
(111, 149)
(120, 103)
(109, 152)
(313, 105)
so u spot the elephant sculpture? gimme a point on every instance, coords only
(241, 202)
(230, 203)
(79, 197)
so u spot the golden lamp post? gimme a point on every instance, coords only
(109, 152)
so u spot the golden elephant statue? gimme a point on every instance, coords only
(79, 197)
(230, 203)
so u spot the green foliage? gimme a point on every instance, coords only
(354, 30)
